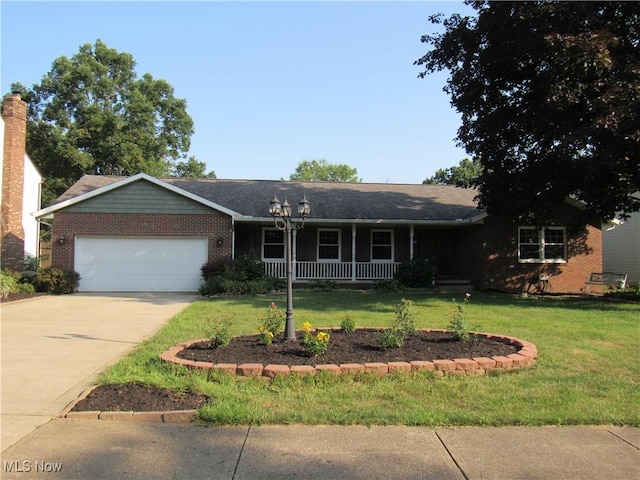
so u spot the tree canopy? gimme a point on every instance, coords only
(323, 171)
(91, 114)
(465, 174)
(192, 168)
(549, 94)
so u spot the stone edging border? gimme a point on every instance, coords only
(170, 416)
(523, 358)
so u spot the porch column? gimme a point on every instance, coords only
(294, 255)
(411, 236)
(353, 252)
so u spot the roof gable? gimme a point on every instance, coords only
(92, 186)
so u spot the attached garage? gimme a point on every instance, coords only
(139, 264)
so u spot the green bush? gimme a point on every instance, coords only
(629, 294)
(242, 276)
(211, 286)
(8, 282)
(219, 332)
(391, 338)
(457, 324)
(348, 324)
(403, 326)
(388, 286)
(323, 285)
(417, 273)
(405, 321)
(57, 281)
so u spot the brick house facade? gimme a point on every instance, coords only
(356, 233)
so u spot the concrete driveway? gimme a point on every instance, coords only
(54, 347)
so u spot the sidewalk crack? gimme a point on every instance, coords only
(246, 437)
(625, 441)
(451, 456)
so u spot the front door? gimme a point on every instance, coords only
(439, 247)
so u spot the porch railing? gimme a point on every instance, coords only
(334, 270)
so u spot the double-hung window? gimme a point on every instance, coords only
(542, 245)
(272, 244)
(382, 245)
(328, 244)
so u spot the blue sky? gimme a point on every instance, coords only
(268, 84)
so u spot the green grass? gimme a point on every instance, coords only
(587, 373)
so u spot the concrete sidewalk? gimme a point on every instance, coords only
(95, 449)
(54, 347)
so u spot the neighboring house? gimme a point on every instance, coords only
(621, 248)
(21, 183)
(141, 233)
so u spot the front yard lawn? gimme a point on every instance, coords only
(588, 370)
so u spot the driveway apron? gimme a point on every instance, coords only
(53, 348)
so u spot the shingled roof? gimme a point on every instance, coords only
(330, 201)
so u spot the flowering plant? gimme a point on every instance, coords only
(271, 324)
(457, 323)
(316, 343)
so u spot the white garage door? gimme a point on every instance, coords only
(116, 264)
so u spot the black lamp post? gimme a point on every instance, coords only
(281, 214)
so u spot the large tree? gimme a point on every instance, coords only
(465, 174)
(91, 114)
(323, 171)
(549, 94)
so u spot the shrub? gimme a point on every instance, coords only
(391, 338)
(457, 324)
(629, 294)
(211, 286)
(417, 273)
(241, 276)
(8, 282)
(405, 318)
(213, 268)
(403, 326)
(323, 285)
(219, 332)
(348, 324)
(388, 286)
(57, 281)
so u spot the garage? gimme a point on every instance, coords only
(139, 264)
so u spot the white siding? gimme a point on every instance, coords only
(621, 249)
(31, 204)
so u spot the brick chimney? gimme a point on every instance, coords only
(14, 115)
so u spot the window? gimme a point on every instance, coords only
(382, 245)
(547, 244)
(272, 244)
(328, 244)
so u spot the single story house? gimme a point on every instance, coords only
(142, 233)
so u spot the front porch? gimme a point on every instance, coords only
(343, 271)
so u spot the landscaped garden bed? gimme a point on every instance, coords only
(583, 376)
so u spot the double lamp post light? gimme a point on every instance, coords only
(281, 213)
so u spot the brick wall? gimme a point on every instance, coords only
(68, 225)
(502, 271)
(14, 115)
